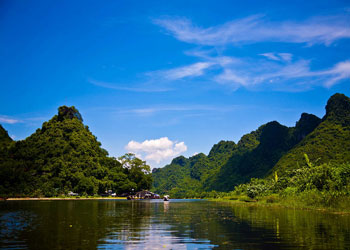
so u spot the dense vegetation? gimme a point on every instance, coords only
(65, 156)
(185, 177)
(273, 150)
(326, 185)
(308, 160)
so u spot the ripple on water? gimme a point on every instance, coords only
(13, 225)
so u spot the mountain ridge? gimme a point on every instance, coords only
(274, 147)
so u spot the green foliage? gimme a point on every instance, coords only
(307, 160)
(276, 176)
(273, 140)
(137, 170)
(190, 177)
(329, 142)
(5, 139)
(321, 185)
(262, 153)
(65, 156)
(229, 164)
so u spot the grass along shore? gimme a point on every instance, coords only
(64, 198)
(340, 205)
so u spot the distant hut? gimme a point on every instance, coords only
(145, 194)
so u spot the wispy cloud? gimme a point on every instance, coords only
(272, 68)
(196, 69)
(338, 72)
(272, 74)
(287, 57)
(147, 111)
(252, 29)
(8, 120)
(146, 89)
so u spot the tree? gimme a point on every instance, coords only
(137, 170)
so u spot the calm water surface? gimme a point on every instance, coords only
(178, 224)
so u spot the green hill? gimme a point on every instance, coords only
(272, 147)
(328, 143)
(187, 175)
(65, 156)
(5, 140)
(274, 141)
(229, 164)
(315, 173)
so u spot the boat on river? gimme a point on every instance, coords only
(166, 198)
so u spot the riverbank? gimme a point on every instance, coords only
(340, 206)
(65, 198)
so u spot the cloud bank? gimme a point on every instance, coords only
(156, 150)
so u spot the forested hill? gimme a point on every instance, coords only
(5, 139)
(65, 156)
(271, 147)
(328, 143)
(186, 175)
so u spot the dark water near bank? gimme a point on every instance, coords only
(178, 224)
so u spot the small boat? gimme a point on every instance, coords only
(166, 198)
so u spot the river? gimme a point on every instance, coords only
(177, 224)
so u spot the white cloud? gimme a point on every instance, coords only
(114, 86)
(271, 56)
(287, 57)
(157, 150)
(5, 119)
(196, 69)
(272, 73)
(274, 68)
(317, 30)
(147, 111)
(339, 72)
(236, 79)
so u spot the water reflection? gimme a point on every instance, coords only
(178, 224)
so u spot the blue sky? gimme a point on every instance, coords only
(162, 78)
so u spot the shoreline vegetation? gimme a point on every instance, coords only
(63, 198)
(269, 201)
(306, 166)
(292, 203)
